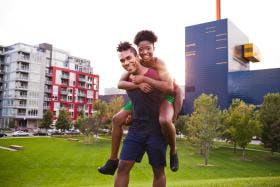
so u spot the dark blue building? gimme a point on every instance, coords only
(215, 64)
(251, 86)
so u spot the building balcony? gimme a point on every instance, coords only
(21, 113)
(80, 100)
(23, 59)
(48, 74)
(1, 71)
(63, 92)
(81, 94)
(47, 90)
(19, 105)
(21, 96)
(63, 76)
(46, 107)
(22, 78)
(23, 69)
(82, 86)
(89, 86)
(48, 82)
(82, 79)
(47, 99)
(22, 87)
(64, 83)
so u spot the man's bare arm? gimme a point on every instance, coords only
(125, 84)
(128, 85)
(160, 85)
(166, 83)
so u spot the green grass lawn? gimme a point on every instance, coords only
(58, 162)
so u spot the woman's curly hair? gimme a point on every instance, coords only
(145, 35)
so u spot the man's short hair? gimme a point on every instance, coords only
(123, 46)
(145, 35)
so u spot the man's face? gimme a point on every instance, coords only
(146, 51)
(129, 61)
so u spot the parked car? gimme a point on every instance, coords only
(22, 129)
(104, 131)
(2, 135)
(20, 133)
(72, 131)
(54, 132)
(40, 133)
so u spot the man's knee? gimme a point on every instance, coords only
(158, 173)
(123, 168)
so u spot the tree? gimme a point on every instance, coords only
(270, 119)
(90, 125)
(241, 123)
(228, 124)
(79, 122)
(100, 115)
(86, 125)
(47, 120)
(64, 120)
(204, 123)
(81, 113)
(181, 125)
(114, 106)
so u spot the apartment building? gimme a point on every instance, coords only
(1, 79)
(38, 78)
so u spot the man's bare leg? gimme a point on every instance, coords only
(122, 178)
(117, 131)
(111, 165)
(159, 177)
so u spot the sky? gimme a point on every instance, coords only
(92, 29)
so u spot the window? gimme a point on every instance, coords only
(33, 112)
(80, 68)
(69, 98)
(71, 106)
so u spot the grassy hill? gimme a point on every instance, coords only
(58, 162)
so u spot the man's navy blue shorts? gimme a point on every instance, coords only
(137, 143)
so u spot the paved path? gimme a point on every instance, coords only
(6, 148)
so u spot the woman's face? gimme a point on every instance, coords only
(146, 51)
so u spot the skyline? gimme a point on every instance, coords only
(92, 30)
